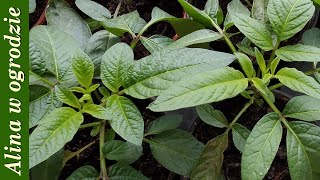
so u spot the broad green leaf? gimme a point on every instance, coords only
(246, 64)
(49, 169)
(261, 147)
(196, 13)
(37, 62)
(126, 119)
(185, 26)
(253, 29)
(97, 45)
(298, 81)
(235, 6)
(164, 123)
(93, 10)
(84, 173)
(299, 52)
(32, 6)
(304, 108)
(115, 64)
(60, 15)
(211, 159)
(156, 42)
(131, 23)
(197, 37)
(153, 74)
(176, 150)
(96, 111)
(83, 68)
(239, 136)
(259, 10)
(109, 135)
(123, 152)
(211, 9)
(125, 172)
(311, 37)
(206, 87)
(212, 117)
(303, 149)
(263, 88)
(52, 134)
(41, 103)
(57, 49)
(289, 17)
(67, 97)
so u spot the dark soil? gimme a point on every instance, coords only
(231, 166)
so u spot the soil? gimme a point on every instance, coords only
(232, 157)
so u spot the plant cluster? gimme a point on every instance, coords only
(75, 73)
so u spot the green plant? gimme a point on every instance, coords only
(267, 25)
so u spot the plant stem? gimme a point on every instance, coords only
(273, 54)
(73, 154)
(117, 9)
(95, 92)
(246, 106)
(89, 125)
(248, 2)
(226, 38)
(102, 158)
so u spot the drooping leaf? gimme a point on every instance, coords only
(153, 74)
(311, 37)
(156, 42)
(56, 48)
(303, 150)
(298, 81)
(239, 136)
(84, 173)
(289, 17)
(304, 108)
(123, 152)
(299, 52)
(49, 169)
(261, 147)
(211, 159)
(52, 134)
(246, 64)
(176, 150)
(197, 37)
(97, 45)
(164, 123)
(253, 29)
(131, 23)
(60, 15)
(96, 111)
(126, 119)
(67, 97)
(93, 10)
(115, 64)
(207, 87)
(83, 68)
(235, 6)
(263, 88)
(212, 117)
(125, 172)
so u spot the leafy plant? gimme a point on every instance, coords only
(75, 73)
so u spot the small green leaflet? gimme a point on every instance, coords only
(67, 97)
(176, 150)
(163, 123)
(93, 9)
(53, 133)
(96, 111)
(246, 64)
(288, 17)
(211, 159)
(299, 52)
(239, 136)
(298, 81)
(261, 147)
(212, 117)
(123, 171)
(235, 6)
(304, 108)
(126, 119)
(206, 87)
(156, 42)
(84, 173)
(121, 151)
(83, 68)
(263, 88)
(211, 8)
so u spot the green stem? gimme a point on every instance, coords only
(248, 2)
(73, 154)
(273, 54)
(120, 93)
(89, 125)
(226, 38)
(102, 158)
(42, 79)
(95, 92)
(246, 106)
